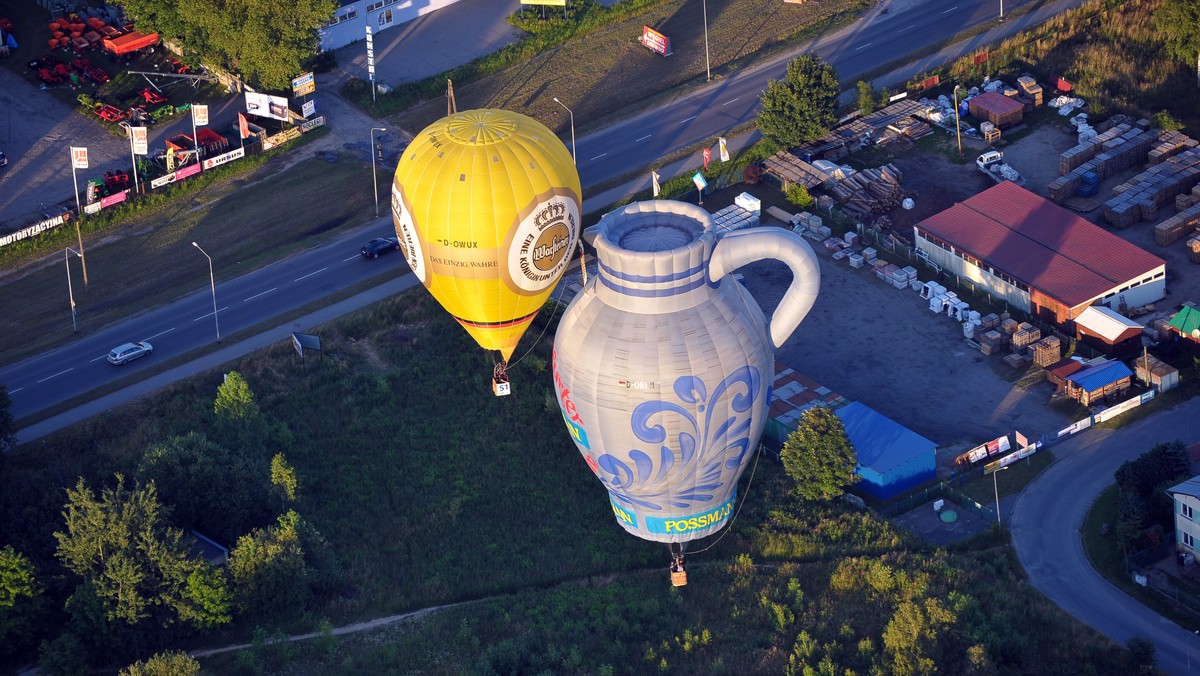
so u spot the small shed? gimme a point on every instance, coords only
(1002, 111)
(1186, 325)
(891, 457)
(1101, 382)
(1108, 331)
(1058, 372)
(1157, 373)
(209, 550)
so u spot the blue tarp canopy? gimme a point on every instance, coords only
(880, 442)
(1096, 377)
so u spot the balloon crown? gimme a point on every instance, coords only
(554, 211)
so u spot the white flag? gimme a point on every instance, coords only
(200, 115)
(654, 178)
(724, 150)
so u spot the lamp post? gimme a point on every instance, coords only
(374, 179)
(996, 488)
(957, 126)
(573, 160)
(213, 283)
(1001, 10)
(70, 287)
(708, 69)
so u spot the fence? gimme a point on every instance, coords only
(1141, 568)
(943, 489)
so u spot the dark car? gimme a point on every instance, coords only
(380, 245)
(3, 160)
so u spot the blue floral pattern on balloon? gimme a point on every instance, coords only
(691, 467)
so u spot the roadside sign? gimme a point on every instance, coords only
(308, 109)
(370, 56)
(303, 85)
(140, 145)
(655, 41)
(200, 115)
(79, 159)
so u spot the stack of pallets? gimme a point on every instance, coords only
(870, 191)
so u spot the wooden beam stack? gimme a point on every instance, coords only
(870, 191)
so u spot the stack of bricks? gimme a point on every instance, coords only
(1119, 153)
(1181, 224)
(1154, 188)
(1169, 143)
(1031, 89)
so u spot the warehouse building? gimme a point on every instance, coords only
(350, 21)
(1038, 257)
(891, 458)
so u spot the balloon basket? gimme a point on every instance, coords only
(501, 389)
(679, 578)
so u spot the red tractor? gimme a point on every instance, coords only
(152, 97)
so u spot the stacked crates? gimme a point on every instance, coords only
(1089, 184)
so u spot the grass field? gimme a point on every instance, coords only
(149, 260)
(609, 70)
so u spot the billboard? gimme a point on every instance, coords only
(79, 159)
(140, 144)
(303, 85)
(655, 41)
(199, 115)
(265, 105)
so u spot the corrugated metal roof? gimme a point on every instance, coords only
(1190, 487)
(1106, 323)
(1096, 377)
(1041, 244)
(1186, 320)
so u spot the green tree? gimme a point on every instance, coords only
(173, 663)
(1178, 23)
(803, 105)
(269, 570)
(284, 478)
(234, 399)
(213, 489)
(911, 637)
(121, 542)
(21, 602)
(1142, 656)
(819, 457)
(799, 196)
(8, 425)
(210, 596)
(64, 656)
(866, 97)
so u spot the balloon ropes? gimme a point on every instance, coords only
(486, 204)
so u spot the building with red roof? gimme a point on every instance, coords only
(1039, 257)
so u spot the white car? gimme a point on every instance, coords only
(128, 352)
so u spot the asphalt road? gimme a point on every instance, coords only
(1046, 522)
(182, 326)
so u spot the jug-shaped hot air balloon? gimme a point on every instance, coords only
(486, 206)
(663, 364)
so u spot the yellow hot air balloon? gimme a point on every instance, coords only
(486, 205)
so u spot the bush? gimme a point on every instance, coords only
(798, 196)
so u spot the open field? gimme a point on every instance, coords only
(149, 260)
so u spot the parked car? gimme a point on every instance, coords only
(129, 351)
(378, 246)
(3, 159)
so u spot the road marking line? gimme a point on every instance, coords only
(260, 294)
(163, 333)
(351, 258)
(734, 100)
(862, 47)
(309, 275)
(643, 138)
(103, 356)
(950, 10)
(56, 375)
(597, 157)
(16, 390)
(690, 119)
(910, 27)
(211, 314)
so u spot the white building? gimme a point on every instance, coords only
(350, 21)
(1186, 496)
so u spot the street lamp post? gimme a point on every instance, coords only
(573, 160)
(374, 179)
(213, 283)
(1002, 10)
(995, 487)
(708, 68)
(957, 126)
(70, 287)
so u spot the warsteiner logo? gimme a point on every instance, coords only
(540, 246)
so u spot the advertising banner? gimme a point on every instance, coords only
(998, 445)
(189, 170)
(698, 179)
(106, 202)
(654, 180)
(655, 41)
(35, 229)
(303, 85)
(308, 109)
(162, 180)
(243, 126)
(223, 158)
(140, 144)
(707, 154)
(200, 115)
(309, 125)
(274, 107)
(371, 57)
(724, 149)
(79, 159)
